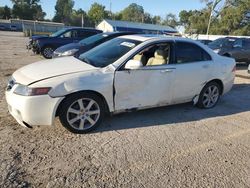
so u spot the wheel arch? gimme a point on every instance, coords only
(219, 82)
(227, 54)
(107, 110)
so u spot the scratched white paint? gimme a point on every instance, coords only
(142, 88)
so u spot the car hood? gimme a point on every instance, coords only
(50, 68)
(38, 37)
(68, 47)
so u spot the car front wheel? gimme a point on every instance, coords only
(209, 95)
(81, 113)
(47, 52)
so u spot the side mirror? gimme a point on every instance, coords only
(133, 64)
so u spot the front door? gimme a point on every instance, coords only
(150, 85)
(143, 88)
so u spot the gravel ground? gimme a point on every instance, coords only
(177, 146)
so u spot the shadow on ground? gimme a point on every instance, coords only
(237, 101)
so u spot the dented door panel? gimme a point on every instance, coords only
(149, 86)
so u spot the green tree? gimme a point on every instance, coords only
(195, 21)
(147, 18)
(27, 9)
(234, 19)
(5, 12)
(77, 16)
(64, 9)
(133, 12)
(97, 13)
(157, 20)
(171, 20)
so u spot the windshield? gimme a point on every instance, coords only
(217, 42)
(108, 52)
(56, 34)
(93, 39)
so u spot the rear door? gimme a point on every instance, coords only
(193, 68)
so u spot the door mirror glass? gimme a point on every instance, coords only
(133, 64)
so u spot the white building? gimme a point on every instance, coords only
(114, 25)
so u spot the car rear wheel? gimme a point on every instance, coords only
(209, 95)
(82, 112)
(47, 52)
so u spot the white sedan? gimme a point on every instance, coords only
(124, 74)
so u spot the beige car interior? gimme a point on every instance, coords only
(158, 59)
(141, 58)
(159, 55)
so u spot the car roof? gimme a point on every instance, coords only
(82, 28)
(146, 37)
(143, 37)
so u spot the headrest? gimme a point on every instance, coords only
(160, 54)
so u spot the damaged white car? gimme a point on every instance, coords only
(124, 74)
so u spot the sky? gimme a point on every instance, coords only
(155, 7)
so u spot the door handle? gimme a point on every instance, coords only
(167, 71)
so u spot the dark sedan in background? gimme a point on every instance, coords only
(47, 44)
(76, 49)
(237, 48)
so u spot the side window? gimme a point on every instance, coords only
(238, 43)
(66, 35)
(246, 44)
(69, 34)
(155, 55)
(187, 53)
(85, 34)
(74, 34)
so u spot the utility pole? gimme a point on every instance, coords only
(110, 10)
(82, 21)
(210, 18)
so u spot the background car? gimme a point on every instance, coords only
(2, 27)
(84, 45)
(237, 48)
(13, 28)
(206, 42)
(124, 74)
(47, 44)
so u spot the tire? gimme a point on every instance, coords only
(227, 55)
(81, 112)
(47, 52)
(209, 95)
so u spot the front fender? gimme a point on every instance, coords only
(99, 81)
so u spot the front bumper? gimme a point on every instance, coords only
(56, 54)
(32, 110)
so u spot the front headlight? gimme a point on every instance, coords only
(70, 52)
(27, 91)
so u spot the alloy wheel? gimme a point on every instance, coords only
(211, 96)
(83, 114)
(48, 52)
